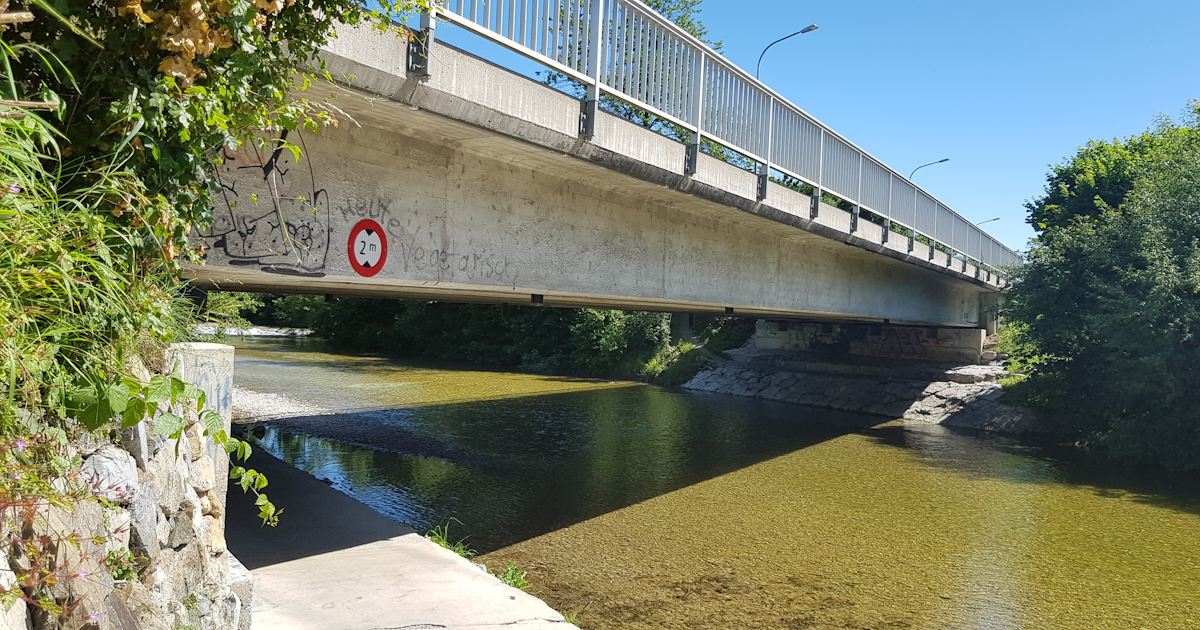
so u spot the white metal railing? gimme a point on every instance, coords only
(626, 49)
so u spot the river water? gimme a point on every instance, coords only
(641, 507)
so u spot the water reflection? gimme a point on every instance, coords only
(649, 508)
(525, 466)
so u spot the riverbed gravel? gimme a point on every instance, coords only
(252, 406)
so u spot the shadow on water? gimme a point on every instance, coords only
(516, 468)
(984, 455)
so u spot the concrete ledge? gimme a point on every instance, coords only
(472, 90)
(335, 564)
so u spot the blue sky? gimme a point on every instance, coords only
(1003, 89)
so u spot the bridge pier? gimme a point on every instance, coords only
(951, 346)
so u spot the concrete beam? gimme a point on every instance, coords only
(485, 192)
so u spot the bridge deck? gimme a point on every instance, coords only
(486, 192)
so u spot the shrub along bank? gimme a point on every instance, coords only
(581, 342)
(1106, 311)
(111, 118)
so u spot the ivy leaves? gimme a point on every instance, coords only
(95, 403)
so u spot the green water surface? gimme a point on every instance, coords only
(642, 507)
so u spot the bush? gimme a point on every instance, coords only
(1107, 309)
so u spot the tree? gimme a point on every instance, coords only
(1107, 306)
(1098, 177)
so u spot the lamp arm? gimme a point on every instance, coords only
(758, 70)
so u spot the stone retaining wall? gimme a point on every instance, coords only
(164, 501)
(973, 404)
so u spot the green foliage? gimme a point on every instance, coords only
(440, 535)
(293, 311)
(683, 368)
(230, 309)
(686, 14)
(1100, 176)
(718, 334)
(514, 577)
(546, 340)
(1107, 310)
(97, 200)
(122, 565)
(177, 81)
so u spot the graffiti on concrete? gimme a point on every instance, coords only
(270, 212)
(903, 342)
(416, 246)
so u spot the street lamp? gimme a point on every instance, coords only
(924, 165)
(807, 29)
(988, 221)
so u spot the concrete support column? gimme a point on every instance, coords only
(940, 345)
(209, 366)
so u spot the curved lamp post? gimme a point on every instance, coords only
(807, 29)
(988, 221)
(910, 175)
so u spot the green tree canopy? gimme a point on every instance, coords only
(1107, 307)
(1100, 175)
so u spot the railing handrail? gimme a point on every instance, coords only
(581, 34)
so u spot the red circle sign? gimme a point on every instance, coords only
(367, 248)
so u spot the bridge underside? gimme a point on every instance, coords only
(476, 204)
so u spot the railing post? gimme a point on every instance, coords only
(816, 200)
(420, 43)
(591, 103)
(912, 238)
(887, 229)
(765, 176)
(854, 219)
(692, 157)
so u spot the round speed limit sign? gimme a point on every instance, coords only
(367, 248)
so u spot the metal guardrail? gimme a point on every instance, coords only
(626, 49)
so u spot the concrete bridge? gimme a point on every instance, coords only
(471, 183)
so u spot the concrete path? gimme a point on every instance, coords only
(335, 564)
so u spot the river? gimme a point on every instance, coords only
(642, 507)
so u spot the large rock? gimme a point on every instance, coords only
(143, 521)
(204, 475)
(112, 473)
(135, 441)
(183, 531)
(85, 560)
(16, 616)
(140, 602)
(215, 509)
(196, 439)
(166, 470)
(241, 582)
(117, 522)
(177, 575)
(215, 539)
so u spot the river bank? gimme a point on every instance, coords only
(968, 397)
(333, 563)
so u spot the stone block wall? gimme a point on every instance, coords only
(971, 400)
(953, 346)
(163, 500)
